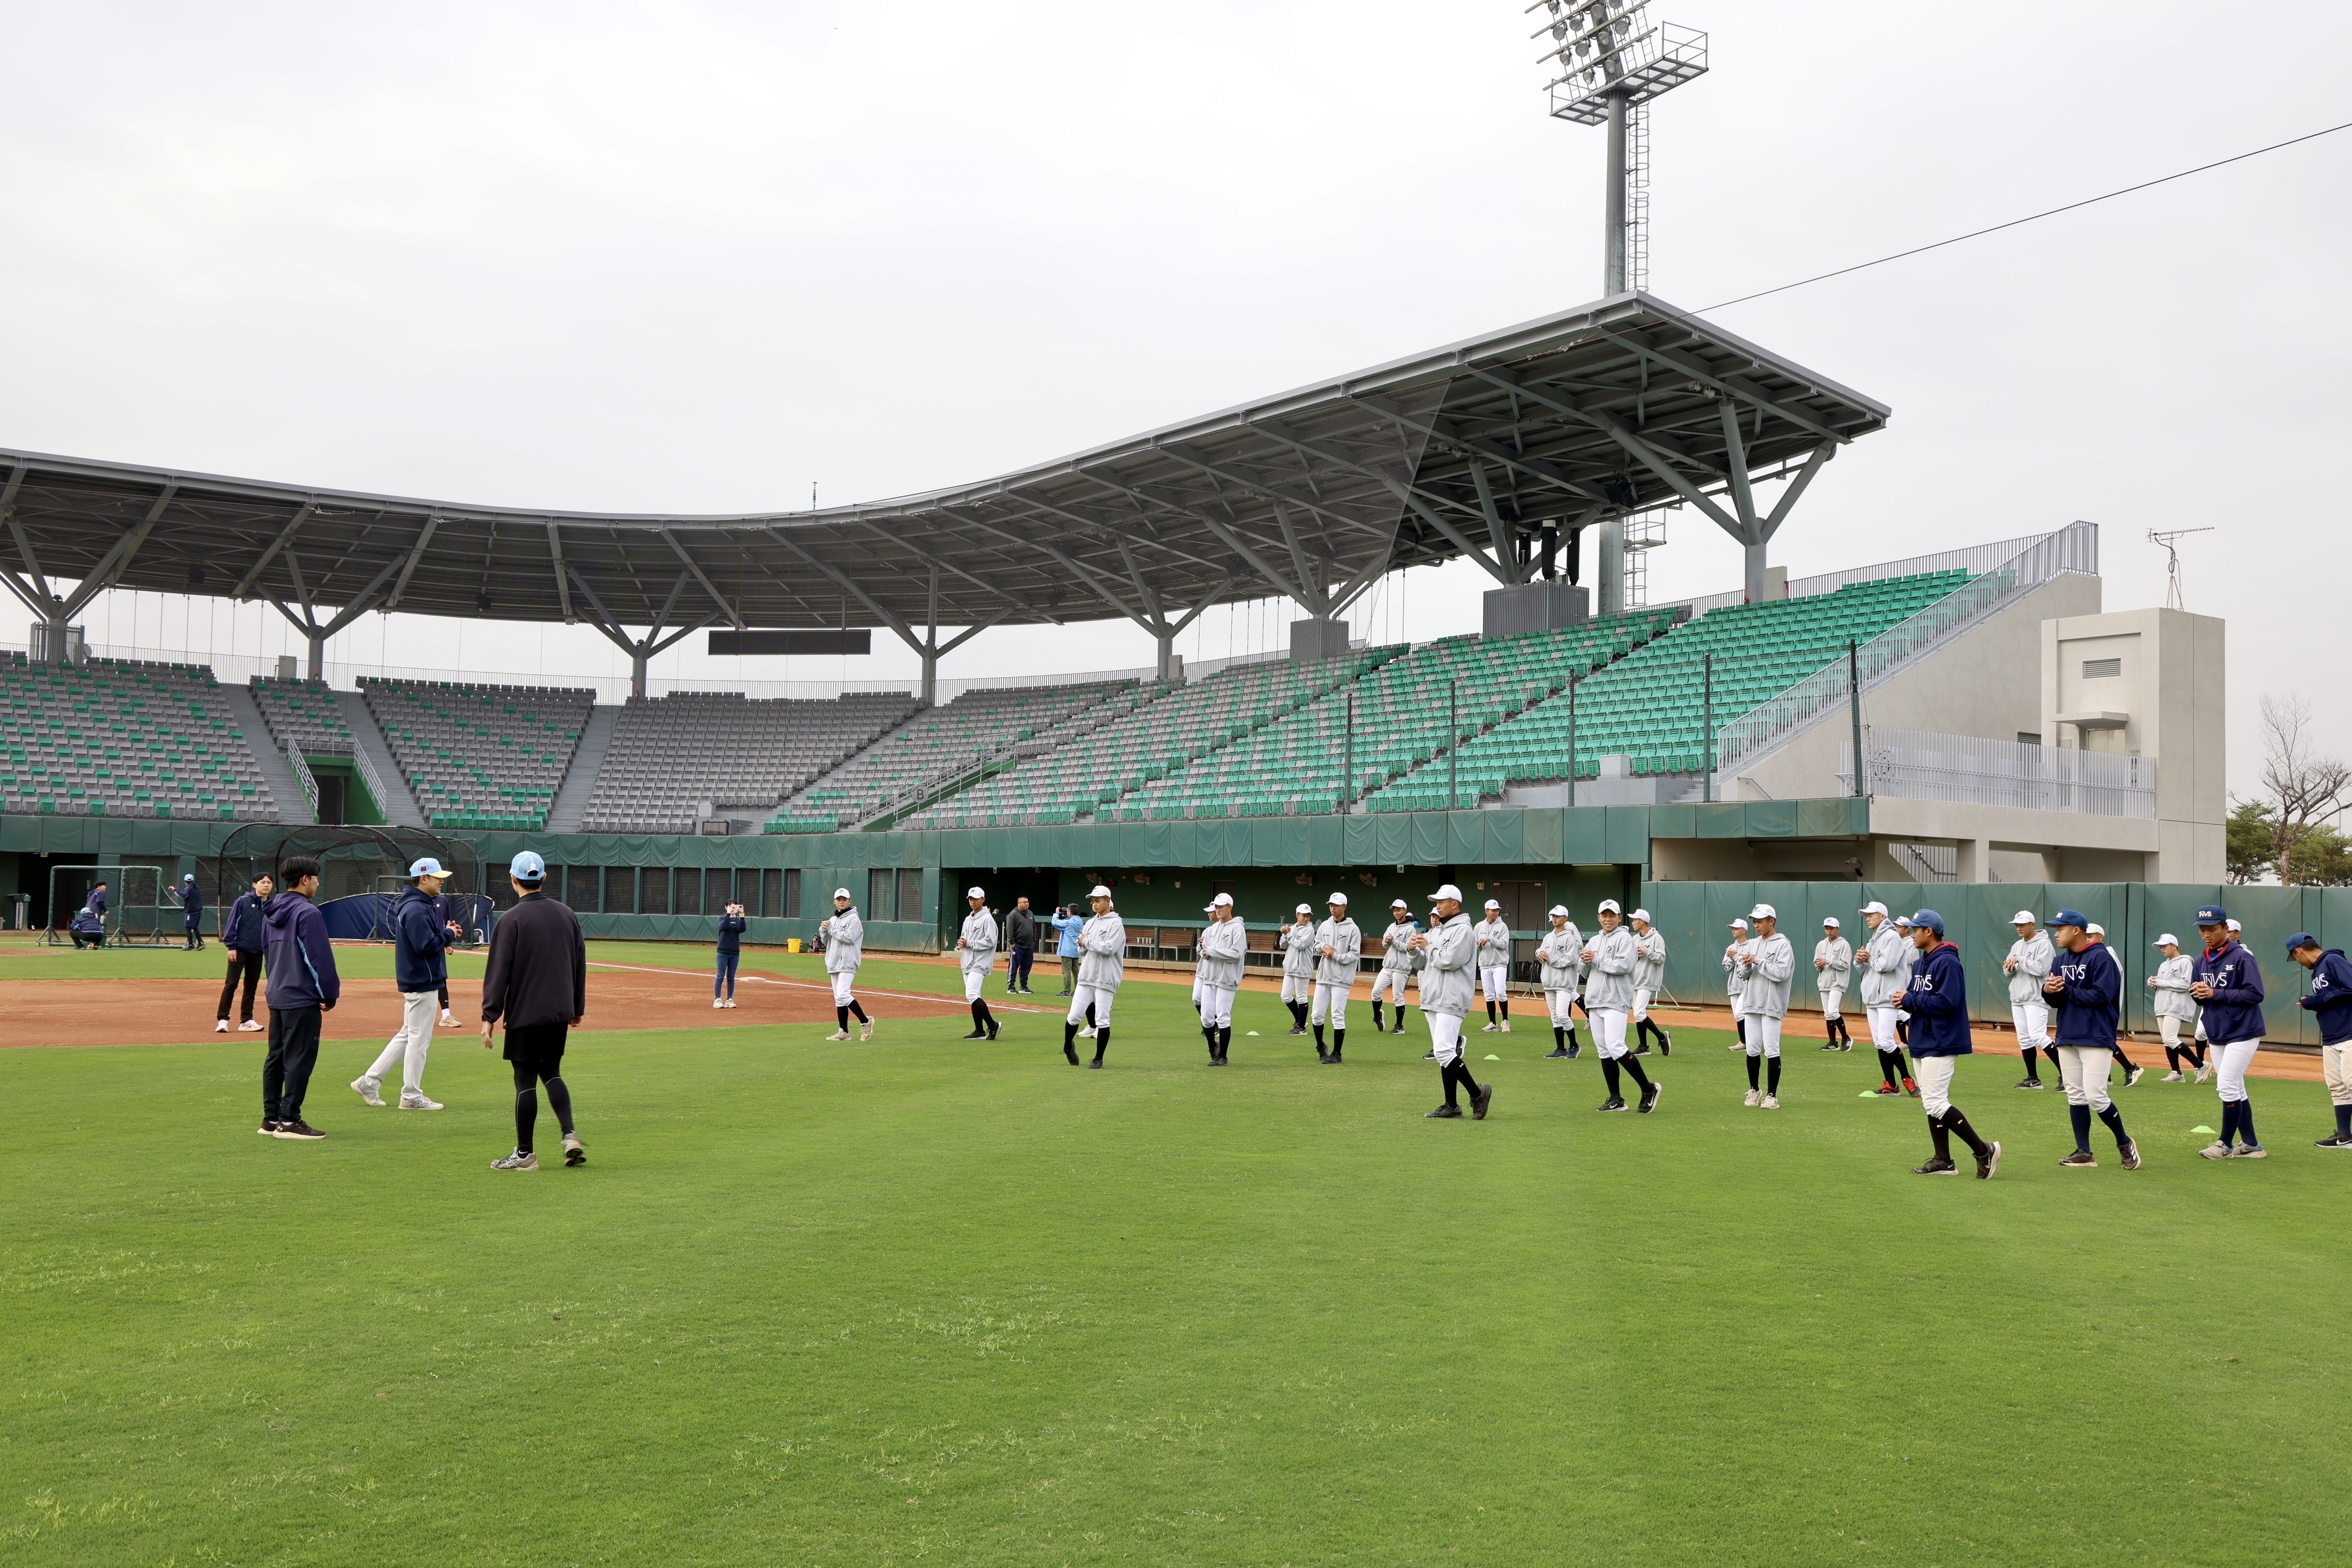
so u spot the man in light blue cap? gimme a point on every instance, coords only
(420, 970)
(538, 980)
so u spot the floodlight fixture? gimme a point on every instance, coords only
(1610, 59)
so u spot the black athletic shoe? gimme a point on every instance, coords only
(1574, 1052)
(1399, 1027)
(1649, 1099)
(2080, 1160)
(2130, 1153)
(2333, 1141)
(1831, 1047)
(1096, 1063)
(1556, 1054)
(1323, 1056)
(1445, 1113)
(269, 1128)
(977, 1034)
(299, 1130)
(1430, 1055)
(2132, 1075)
(1332, 1060)
(1936, 1166)
(1988, 1162)
(1298, 1031)
(1665, 1043)
(2030, 1083)
(991, 1029)
(1071, 1053)
(1613, 1102)
(1640, 1050)
(1481, 1101)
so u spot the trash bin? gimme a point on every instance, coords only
(792, 944)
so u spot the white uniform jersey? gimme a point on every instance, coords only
(1346, 941)
(1102, 951)
(1395, 955)
(2173, 978)
(845, 943)
(979, 937)
(1561, 955)
(1887, 965)
(1835, 956)
(1609, 984)
(1649, 961)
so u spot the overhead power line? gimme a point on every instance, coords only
(2035, 217)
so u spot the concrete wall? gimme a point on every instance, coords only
(2171, 690)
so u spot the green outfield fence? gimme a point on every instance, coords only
(1165, 871)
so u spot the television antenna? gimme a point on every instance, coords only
(2172, 595)
(1612, 60)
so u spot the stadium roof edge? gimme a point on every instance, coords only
(1311, 493)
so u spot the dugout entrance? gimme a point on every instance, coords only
(361, 872)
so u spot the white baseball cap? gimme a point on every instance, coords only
(1559, 910)
(1873, 908)
(1739, 925)
(1639, 915)
(2167, 940)
(1446, 891)
(1612, 907)
(1100, 891)
(1340, 899)
(1830, 920)
(841, 893)
(1399, 904)
(1303, 910)
(1763, 912)
(1225, 898)
(974, 893)
(2023, 918)
(2095, 929)
(1903, 920)
(2234, 926)
(1493, 904)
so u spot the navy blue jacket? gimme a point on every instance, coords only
(420, 943)
(241, 932)
(300, 961)
(730, 932)
(191, 899)
(2090, 1009)
(2235, 1011)
(91, 917)
(1937, 1000)
(2331, 997)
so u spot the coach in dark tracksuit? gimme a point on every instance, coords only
(241, 934)
(2085, 989)
(303, 988)
(538, 980)
(1937, 998)
(191, 905)
(2330, 1000)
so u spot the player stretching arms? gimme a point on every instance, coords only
(1338, 954)
(1561, 955)
(1225, 948)
(1649, 979)
(1396, 962)
(1102, 964)
(1452, 949)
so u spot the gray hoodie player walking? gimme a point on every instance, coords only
(1450, 951)
(1102, 965)
(1338, 954)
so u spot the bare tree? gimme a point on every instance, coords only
(2306, 789)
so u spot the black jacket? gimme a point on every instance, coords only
(538, 965)
(1021, 929)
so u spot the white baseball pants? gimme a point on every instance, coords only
(1495, 981)
(1444, 1036)
(1217, 1006)
(975, 981)
(844, 987)
(2233, 1059)
(1642, 995)
(1608, 1031)
(1390, 981)
(1882, 1027)
(1562, 1005)
(2335, 1067)
(1763, 1035)
(2032, 1022)
(1330, 1004)
(1934, 1077)
(1833, 1003)
(2085, 1070)
(1298, 988)
(1098, 997)
(417, 1011)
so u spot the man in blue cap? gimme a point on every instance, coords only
(192, 911)
(2330, 997)
(1937, 998)
(2228, 987)
(2085, 987)
(538, 978)
(420, 972)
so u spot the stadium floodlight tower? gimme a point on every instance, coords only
(1612, 59)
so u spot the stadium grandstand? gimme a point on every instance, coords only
(1929, 716)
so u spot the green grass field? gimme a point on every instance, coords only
(926, 1300)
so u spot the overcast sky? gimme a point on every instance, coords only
(698, 257)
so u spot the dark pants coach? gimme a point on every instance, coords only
(248, 966)
(293, 1053)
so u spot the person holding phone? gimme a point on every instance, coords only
(731, 926)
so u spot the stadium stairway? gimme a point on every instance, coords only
(292, 806)
(401, 810)
(570, 802)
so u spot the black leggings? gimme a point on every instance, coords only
(558, 1099)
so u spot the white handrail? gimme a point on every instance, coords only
(1918, 765)
(303, 778)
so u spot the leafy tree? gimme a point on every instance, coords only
(2250, 841)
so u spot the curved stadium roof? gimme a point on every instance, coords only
(1467, 449)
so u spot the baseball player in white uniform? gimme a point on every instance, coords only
(844, 935)
(1769, 961)
(976, 946)
(1298, 941)
(1102, 964)
(1886, 959)
(1560, 955)
(1735, 979)
(1451, 950)
(1494, 938)
(1649, 979)
(1610, 958)
(2175, 1006)
(2027, 966)
(1833, 968)
(1396, 963)
(1339, 956)
(1224, 948)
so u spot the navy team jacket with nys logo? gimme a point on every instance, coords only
(2235, 1010)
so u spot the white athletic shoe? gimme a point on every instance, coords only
(1507, 1026)
(2204, 1072)
(448, 1020)
(1771, 1102)
(838, 1035)
(250, 1028)
(730, 1001)
(1752, 1098)
(221, 1027)
(418, 1102)
(368, 1089)
(517, 1160)
(866, 1031)
(1489, 1028)
(716, 1003)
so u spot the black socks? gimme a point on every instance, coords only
(1888, 1067)
(2113, 1120)
(1558, 1038)
(1376, 1016)
(1629, 1065)
(1942, 1135)
(1772, 1076)
(841, 1019)
(1755, 1065)
(857, 1012)
(2079, 1115)
(1967, 1134)
(1457, 1073)
(1339, 1041)
(1102, 1041)
(1490, 1012)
